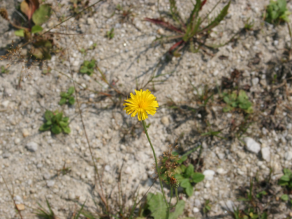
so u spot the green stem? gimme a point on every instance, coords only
(156, 164)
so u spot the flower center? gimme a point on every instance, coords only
(142, 105)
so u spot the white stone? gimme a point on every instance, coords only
(221, 171)
(165, 120)
(50, 183)
(255, 81)
(32, 146)
(266, 154)
(25, 133)
(288, 155)
(107, 168)
(5, 103)
(17, 141)
(209, 174)
(196, 210)
(252, 145)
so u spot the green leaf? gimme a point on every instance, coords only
(19, 33)
(48, 122)
(91, 64)
(59, 116)
(83, 69)
(285, 197)
(282, 6)
(42, 14)
(218, 19)
(198, 177)
(44, 127)
(65, 119)
(49, 115)
(56, 129)
(285, 177)
(62, 101)
(287, 172)
(63, 124)
(64, 95)
(185, 183)
(70, 91)
(189, 170)
(185, 156)
(66, 130)
(189, 190)
(36, 29)
(158, 207)
(71, 100)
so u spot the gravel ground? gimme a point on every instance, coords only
(30, 161)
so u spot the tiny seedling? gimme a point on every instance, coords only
(191, 32)
(277, 12)
(87, 67)
(4, 70)
(110, 34)
(237, 100)
(56, 123)
(248, 25)
(67, 97)
(207, 206)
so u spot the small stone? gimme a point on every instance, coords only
(50, 183)
(20, 207)
(221, 171)
(18, 199)
(90, 21)
(252, 145)
(5, 103)
(165, 120)
(107, 168)
(266, 154)
(32, 146)
(196, 210)
(25, 133)
(6, 155)
(17, 141)
(288, 155)
(209, 174)
(47, 176)
(255, 81)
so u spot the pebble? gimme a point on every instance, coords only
(255, 81)
(221, 171)
(17, 141)
(165, 120)
(209, 174)
(6, 155)
(50, 183)
(266, 154)
(196, 210)
(288, 155)
(47, 176)
(20, 207)
(32, 146)
(252, 145)
(107, 168)
(5, 103)
(25, 133)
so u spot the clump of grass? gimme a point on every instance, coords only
(237, 100)
(110, 34)
(191, 33)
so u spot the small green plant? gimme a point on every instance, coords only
(191, 32)
(237, 100)
(83, 51)
(55, 122)
(67, 97)
(286, 179)
(157, 207)
(174, 173)
(4, 70)
(207, 206)
(46, 214)
(110, 34)
(248, 25)
(88, 67)
(277, 12)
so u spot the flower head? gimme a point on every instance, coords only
(142, 103)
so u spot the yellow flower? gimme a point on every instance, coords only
(142, 103)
